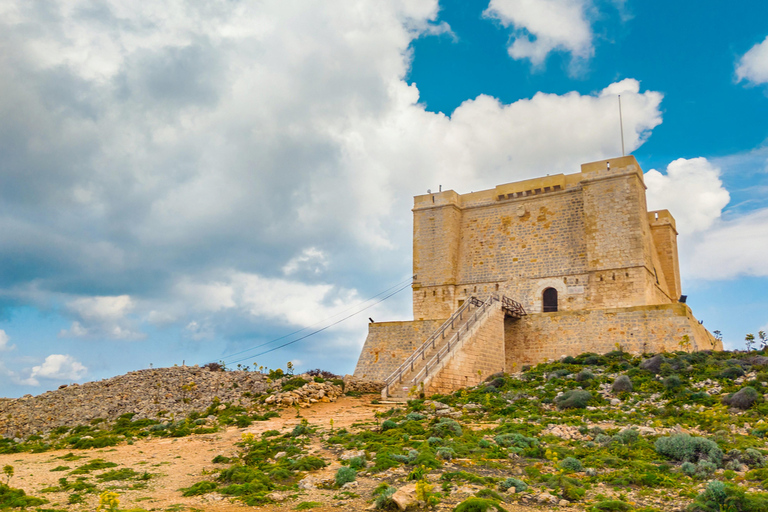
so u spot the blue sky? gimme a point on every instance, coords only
(186, 182)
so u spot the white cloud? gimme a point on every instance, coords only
(543, 26)
(753, 65)
(182, 155)
(57, 367)
(691, 190)
(730, 248)
(106, 316)
(311, 260)
(4, 339)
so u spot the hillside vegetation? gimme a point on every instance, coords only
(613, 432)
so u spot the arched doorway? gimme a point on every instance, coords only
(549, 300)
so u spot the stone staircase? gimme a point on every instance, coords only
(413, 375)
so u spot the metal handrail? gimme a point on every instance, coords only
(440, 332)
(447, 348)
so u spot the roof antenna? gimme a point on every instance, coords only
(621, 125)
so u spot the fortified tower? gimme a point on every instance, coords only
(580, 254)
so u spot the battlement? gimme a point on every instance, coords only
(591, 266)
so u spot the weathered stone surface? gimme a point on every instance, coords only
(405, 496)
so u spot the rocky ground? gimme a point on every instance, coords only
(672, 432)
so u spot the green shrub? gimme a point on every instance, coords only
(490, 494)
(753, 458)
(388, 425)
(306, 505)
(414, 416)
(474, 504)
(571, 464)
(445, 453)
(573, 399)
(17, 498)
(688, 468)
(509, 483)
(516, 441)
(308, 463)
(743, 399)
(220, 459)
(705, 469)
(686, 448)
(732, 372)
(345, 475)
(558, 374)
(584, 376)
(357, 463)
(383, 499)
(622, 384)
(673, 382)
(611, 505)
(199, 488)
(627, 436)
(726, 497)
(446, 427)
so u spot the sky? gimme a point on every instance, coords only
(184, 182)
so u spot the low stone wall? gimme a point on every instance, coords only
(389, 344)
(548, 336)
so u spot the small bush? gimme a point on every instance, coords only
(306, 505)
(732, 372)
(653, 364)
(474, 504)
(622, 384)
(611, 506)
(688, 468)
(198, 489)
(345, 475)
(753, 458)
(388, 425)
(584, 376)
(558, 374)
(627, 436)
(510, 483)
(383, 499)
(571, 464)
(357, 463)
(673, 382)
(445, 453)
(573, 399)
(742, 399)
(705, 469)
(686, 448)
(446, 427)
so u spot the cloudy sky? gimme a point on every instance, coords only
(187, 181)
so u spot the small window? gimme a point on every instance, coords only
(549, 300)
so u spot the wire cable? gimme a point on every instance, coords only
(322, 329)
(409, 279)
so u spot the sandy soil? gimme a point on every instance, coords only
(181, 462)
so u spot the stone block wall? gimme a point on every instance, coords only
(591, 227)
(389, 344)
(549, 336)
(480, 355)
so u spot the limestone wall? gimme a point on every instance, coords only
(480, 355)
(590, 231)
(549, 336)
(389, 344)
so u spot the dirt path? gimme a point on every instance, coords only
(181, 462)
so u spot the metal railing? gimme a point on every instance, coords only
(456, 318)
(409, 364)
(454, 341)
(512, 307)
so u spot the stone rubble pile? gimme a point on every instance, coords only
(154, 393)
(309, 393)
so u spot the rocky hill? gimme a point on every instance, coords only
(157, 394)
